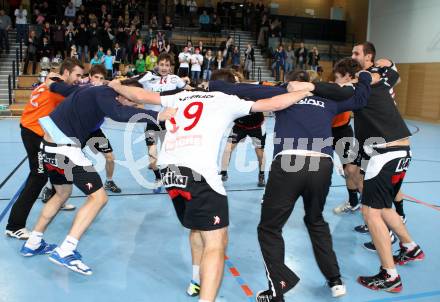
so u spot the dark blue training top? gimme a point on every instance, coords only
(85, 107)
(306, 125)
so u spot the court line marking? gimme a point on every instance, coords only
(11, 203)
(409, 297)
(413, 199)
(12, 172)
(237, 276)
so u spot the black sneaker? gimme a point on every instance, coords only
(404, 255)
(261, 180)
(224, 177)
(110, 185)
(381, 281)
(370, 245)
(266, 296)
(363, 229)
(47, 194)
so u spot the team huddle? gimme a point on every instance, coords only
(312, 122)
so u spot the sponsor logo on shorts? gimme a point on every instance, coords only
(403, 164)
(171, 179)
(283, 284)
(216, 220)
(89, 186)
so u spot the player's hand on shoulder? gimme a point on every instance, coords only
(166, 114)
(383, 63)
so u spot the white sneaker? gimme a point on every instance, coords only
(338, 291)
(67, 207)
(346, 208)
(21, 234)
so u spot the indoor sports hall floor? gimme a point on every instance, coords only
(139, 252)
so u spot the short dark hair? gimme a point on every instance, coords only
(164, 56)
(347, 65)
(226, 75)
(69, 64)
(299, 75)
(369, 49)
(98, 69)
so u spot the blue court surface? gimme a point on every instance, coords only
(139, 251)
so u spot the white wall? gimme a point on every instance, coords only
(407, 31)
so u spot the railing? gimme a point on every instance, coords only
(10, 89)
(259, 74)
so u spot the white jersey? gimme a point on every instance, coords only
(185, 57)
(193, 139)
(157, 83)
(196, 62)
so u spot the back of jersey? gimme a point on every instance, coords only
(195, 133)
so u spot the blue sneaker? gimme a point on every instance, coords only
(43, 249)
(72, 262)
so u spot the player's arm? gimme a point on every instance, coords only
(279, 102)
(388, 72)
(135, 94)
(246, 91)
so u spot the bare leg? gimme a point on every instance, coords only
(213, 262)
(261, 159)
(109, 165)
(87, 213)
(227, 155)
(52, 206)
(395, 223)
(152, 154)
(380, 234)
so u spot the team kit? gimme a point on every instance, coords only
(184, 131)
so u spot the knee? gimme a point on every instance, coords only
(100, 197)
(314, 220)
(109, 158)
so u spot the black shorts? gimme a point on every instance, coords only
(66, 165)
(197, 205)
(257, 135)
(343, 142)
(384, 176)
(154, 132)
(98, 141)
(183, 72)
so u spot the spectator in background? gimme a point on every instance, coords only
(73, 52)
(120, 22)
(263, 32)
(108, 60)
(132, 9)
(314, 59)
(31, 52)
(153, 23)
(5, 26)
(215, 24)
(21, 23)
(290, 58)
(249, 60)
(150, 61)
(192, 8)
(100, 53)
(220, 60)
(82, 42)
(94, 38)
(95, 60)
(184, 59)
(279, 62)
(70, 36)
(139, 48)
(136, 22)
(154, 47)
(45, 49)
(236, 58)
(59, 40)
(118, 53)
(196, 66)
(81, 12)
(202, 48)
(208, 65)
(167, 48)
(70, 11)
(204, 21)
(140, 64)
(301, 56)
(168, 26)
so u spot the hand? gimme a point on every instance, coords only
(166, 114)
(125, 101)
(114, 84)
(375, 77)
(383, 63)
(51, 74)
(296, 86)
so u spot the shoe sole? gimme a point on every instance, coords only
(69, 267)
(394, 290)
(68, 209)
(373, 251)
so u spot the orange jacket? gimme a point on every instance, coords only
(341, 119)
(42, 102)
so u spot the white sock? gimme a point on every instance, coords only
(196, 274)
(109, 178)
(68, 246)
(410, 246)
(392, 272)
(34, 240)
